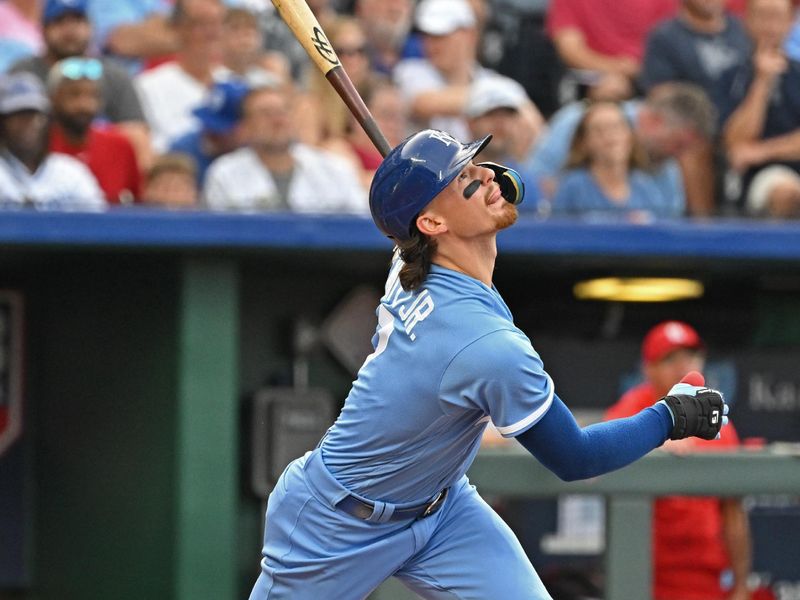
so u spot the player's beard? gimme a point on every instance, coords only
(507, 217)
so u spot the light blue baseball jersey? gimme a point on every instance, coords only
(448, 358)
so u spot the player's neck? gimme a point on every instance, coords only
(475, 258)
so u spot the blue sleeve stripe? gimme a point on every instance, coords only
(514, 428)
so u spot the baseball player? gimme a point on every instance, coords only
(385, 493)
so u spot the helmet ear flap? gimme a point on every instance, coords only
(511, 185)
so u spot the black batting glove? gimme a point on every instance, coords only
(696, 411)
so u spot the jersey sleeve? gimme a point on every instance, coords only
(501, 375)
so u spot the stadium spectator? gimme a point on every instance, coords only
(30, 176)
(387, 24)
(763, 106)
(169, 92)
(133, 31)
(324, 116)
(696, 46)
(500, 106)
(606, 171)
(603, 40)
(219, 131)
(673, 120)
(20, 35)
(242, 50)
(436, 87)
(272, 172)
(67, 33)
(695, 540)
(171, 182)
(75, 95)
(384, 102)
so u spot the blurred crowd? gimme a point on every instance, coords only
(609, 109)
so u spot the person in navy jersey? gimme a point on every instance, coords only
(697, 46)
(762, 111)
(606, 171)
(385, 492)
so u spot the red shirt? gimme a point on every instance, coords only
(611, 27)
(689, 552)
(109, 156)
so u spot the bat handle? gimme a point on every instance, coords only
(341, 82)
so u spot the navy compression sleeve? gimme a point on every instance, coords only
(574, 453)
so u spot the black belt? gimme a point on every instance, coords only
(363, 510)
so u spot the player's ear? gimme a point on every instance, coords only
(431, 223)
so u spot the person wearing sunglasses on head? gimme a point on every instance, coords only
(74, 85)
(67, 31)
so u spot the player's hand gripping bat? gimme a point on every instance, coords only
(298, 16)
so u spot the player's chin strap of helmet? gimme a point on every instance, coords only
(511, 187)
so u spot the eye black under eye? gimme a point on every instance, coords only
(471, 189)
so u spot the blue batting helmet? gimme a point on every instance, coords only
(412, 174)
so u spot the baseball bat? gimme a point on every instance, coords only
(304, 25)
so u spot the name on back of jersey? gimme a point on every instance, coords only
(410, 307)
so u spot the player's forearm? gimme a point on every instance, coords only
(573, 453)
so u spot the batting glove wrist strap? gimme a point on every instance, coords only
(699, 415)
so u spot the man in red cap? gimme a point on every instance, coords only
(695, 540)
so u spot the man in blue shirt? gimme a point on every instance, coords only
(385, 491)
